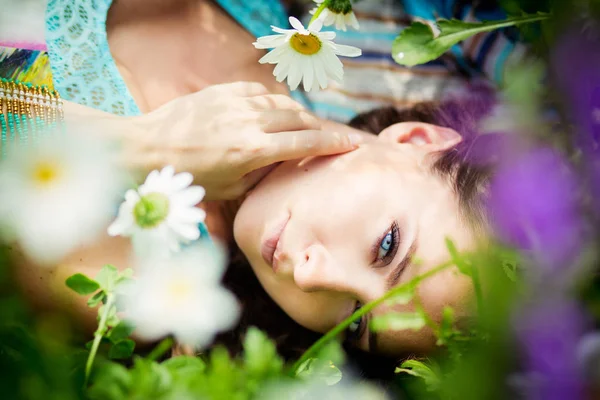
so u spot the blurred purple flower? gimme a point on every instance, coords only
(533, 206)
(548, 334)
(588, 358)
(576, 66)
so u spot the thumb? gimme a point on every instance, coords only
(299, 144)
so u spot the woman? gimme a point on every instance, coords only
(324, 235)
(417, 183)
(133, 33)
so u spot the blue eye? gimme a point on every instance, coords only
(386, 245)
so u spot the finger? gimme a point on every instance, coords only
(274, 102)
(253, 178)
(291, 145)
(274, 121)
(239, 89)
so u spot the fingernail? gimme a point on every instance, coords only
(355, 138)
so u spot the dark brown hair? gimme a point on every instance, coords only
(466, 178)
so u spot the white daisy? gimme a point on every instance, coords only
(306, 55)
(348, 389)
(181, 296)
(160, 215)
(338, 13)
(57, 194)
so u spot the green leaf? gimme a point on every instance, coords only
(446, 326)
(82, 284)
(185, 365)
(121, 331)
(418, 43)
(397, 321)
(260, 354)
(333, 352)
(107, 277)
(122, 350)
(402, 296)
(96, 299)
(112, 319)
(124, 275)
(110, 381)
(421, 370)
(463, 264)
(318, 370)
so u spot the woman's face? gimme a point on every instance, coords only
(327, 234)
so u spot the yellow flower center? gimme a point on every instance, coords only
(179, 291)
(45, 173)
(306, 44)
(151, 210)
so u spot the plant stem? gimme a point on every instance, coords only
(318, 12)
(477, 288)
(160, 349)
(314, 349)
(98, 335)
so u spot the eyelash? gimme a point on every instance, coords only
(393, 233)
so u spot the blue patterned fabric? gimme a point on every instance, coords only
(256, 16)
(83, 68)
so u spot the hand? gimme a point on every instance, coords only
(230, 136)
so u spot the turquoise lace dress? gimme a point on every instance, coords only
(83, 69)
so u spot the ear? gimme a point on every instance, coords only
(431, 137)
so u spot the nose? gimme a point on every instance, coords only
(317, 270)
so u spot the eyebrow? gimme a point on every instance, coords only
(394, 276)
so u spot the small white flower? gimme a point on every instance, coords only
(348, 389)
(161, 214)
(339, 16)
(306, 55)
(182, 296)
(57, 194)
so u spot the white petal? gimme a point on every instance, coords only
(193, 215)
(340, 23)
(269, 42)
(327, 35)
(190, 196)
(346, 51)
(275, 55)
(333, 66)
(295, 74)
(181, 181)
(328, 18)
(316, 25)
(131, 196)
(122, 225)
(320, 72)
(309, 72)
(281, 70)
(152, 177)
(352, 21)
(286, 32)
(296, 24)
(186, 231)
(168, 172)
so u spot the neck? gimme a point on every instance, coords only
(127, 10)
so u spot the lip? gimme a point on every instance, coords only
(269, 245)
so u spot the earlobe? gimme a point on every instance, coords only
(421, 134)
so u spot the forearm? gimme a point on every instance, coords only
(25, 122)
